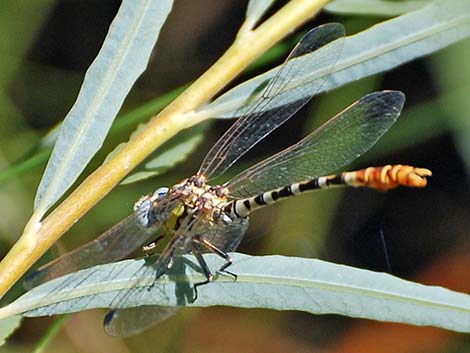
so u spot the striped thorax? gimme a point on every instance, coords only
(185, 201)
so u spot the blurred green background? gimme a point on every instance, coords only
(45, 49)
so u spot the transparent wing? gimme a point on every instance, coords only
(122, 321)
(227, 237)
(113, 245)
(333, 145)
(284, 95)
(130, 321)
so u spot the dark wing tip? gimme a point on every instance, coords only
(319, 37)
(337, 28)
(109, 317)
(34, 279)
(392, 101)
(395, 98)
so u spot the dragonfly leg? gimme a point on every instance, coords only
(205, 269)
(150, 247)
(212, 248)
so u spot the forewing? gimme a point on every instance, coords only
(113, 245)
(333, 145)
(284, 95)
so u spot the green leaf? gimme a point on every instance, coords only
(254, 11)
(175, 154)
(374, 7)
(274, 282)
(170, 154)
(124, 121)
(121, 60)
(141, 175)
(166, 160)
(8, 326)
(389, 44)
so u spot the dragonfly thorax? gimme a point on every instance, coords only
(189, 199)
(196, 199)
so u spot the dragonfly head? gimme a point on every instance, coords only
(145, 206)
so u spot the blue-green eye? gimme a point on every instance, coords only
(160, 192)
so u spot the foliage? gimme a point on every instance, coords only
(389, 44)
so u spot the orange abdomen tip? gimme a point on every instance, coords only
(392, 176)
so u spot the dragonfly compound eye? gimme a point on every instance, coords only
(160, 193)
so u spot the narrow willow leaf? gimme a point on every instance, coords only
(170, 154)
(8, 326)
(254, 11)
(121, 60)
(374, 7)
(141, 175)
(388, 44)
(176, 154)
(125, 121)
(166, 160)
(274, 282)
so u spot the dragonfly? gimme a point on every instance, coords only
(198, 217)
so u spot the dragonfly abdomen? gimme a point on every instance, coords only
(242, 208)
(380, 178)
(388, 177)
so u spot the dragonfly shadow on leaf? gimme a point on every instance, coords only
(184, 291)
(124, 322)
